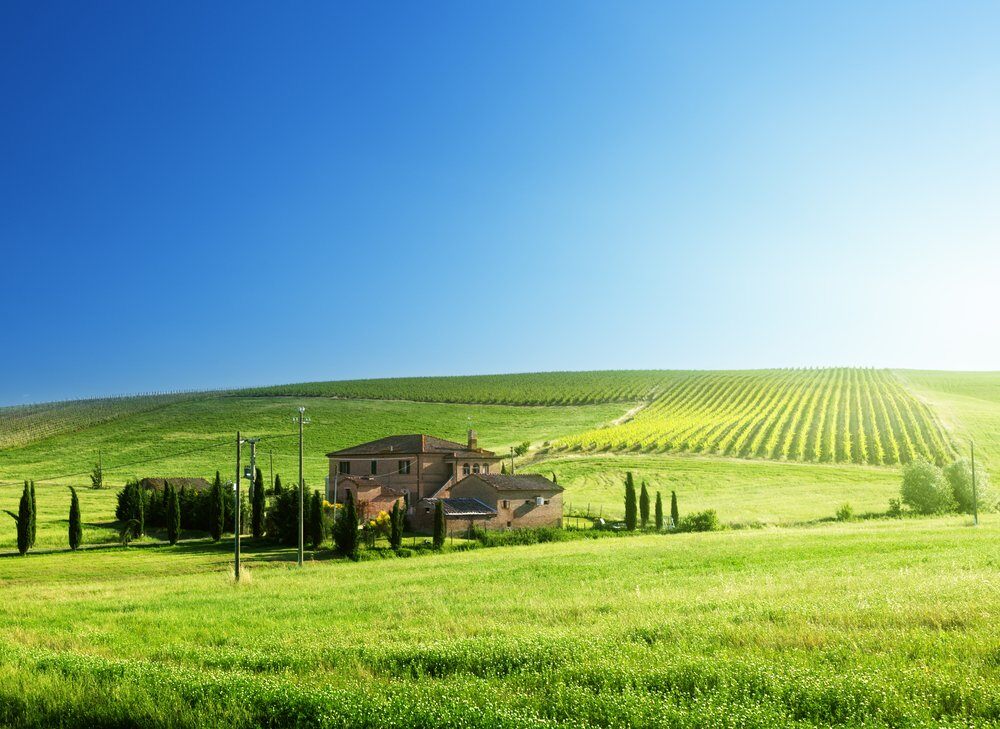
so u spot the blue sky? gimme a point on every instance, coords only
(245, 193)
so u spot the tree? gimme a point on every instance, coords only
(554, 479)
(924, 489)
(440, 528)
(644, 506)
(23, 520)
(345, 531)
(521, 448)
(396, 526)
(630, 508)
(173, 512)
(34, 514)
(315, 519)
(675, 515)
(75, 524)
(503, 468)
(659, 512)
(958, 476)
(217, 509)
(97, 475)
(277, 484)
(257, 506)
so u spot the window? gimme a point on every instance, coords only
(374, 467)
(486, 468)
(475, 468)
(404, 467)
(344, 467)
(508, 525)
(465, 469)
(427, 511)
(506, 504)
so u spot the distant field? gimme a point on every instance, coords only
(826, 415)
(888, 623)
(740, 491)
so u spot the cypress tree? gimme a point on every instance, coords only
(277, 484)
(173, 514)
(346, 529)
(141, 517)
(440, 530)
(315, 519)
(675, 515)
(34, 514)
(630, 507)
(257, 507)
(75, 524)
(644, 506)
(554, 479)
(396, 526)
(217, 509)
(23, 520)
(659, 512)
(503, 468)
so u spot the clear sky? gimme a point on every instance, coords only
(196, 195)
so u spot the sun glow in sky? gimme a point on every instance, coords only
(198, 196)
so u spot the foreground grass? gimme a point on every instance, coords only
(881, 623)
(740, 491)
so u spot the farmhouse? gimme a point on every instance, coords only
(422, 469)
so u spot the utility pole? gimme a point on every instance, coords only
(975, 496)
(512, 460)
(236, 511)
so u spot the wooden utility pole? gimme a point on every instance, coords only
(236, 512)
(975, 496)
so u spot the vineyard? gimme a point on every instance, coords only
(836, 415)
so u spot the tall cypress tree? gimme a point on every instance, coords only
(440, 528)
(644, 506)
(173, 512)
(34, 514)
(630, 506)
(345, 532)
(316, 519)
(675, 515)
(396, 526)
(277, 484)
(217, 509)
(23, 520)
(257, 506)
(75, 523)
(659, 512)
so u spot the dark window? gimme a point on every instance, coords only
(486, 468)
(508, 525)
(426, 511)
(374, 467)
(506, 504)
(465, 469)
(404, 467)
(345, 467)
(475, 468)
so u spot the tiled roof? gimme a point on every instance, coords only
(408, 445)
(517, 482)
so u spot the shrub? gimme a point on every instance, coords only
(283, 518)
(345, 531)
(396, 523)
(895, 509)
(924, 489)
(522, 448)
(958, 476)
(845, 513)
(316, 530)
(699, 521)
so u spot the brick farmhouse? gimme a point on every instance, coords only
(420, 470)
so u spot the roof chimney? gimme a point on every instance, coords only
(473, 440)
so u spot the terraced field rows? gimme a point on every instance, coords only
(828, 415)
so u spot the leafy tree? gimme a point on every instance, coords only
(34, 514)
(75, 523)
(644, 505)
(958, 476)
(345, 532)
(277, 484)
(257, 506)
(396, 526)
(630, 507)
(217, 509)
(675, 515)
(97, 476)
(315, 519)
(173, 513)
(924, 489)
(659, 512)
(23, 520)
(440, 528)
(522, 448)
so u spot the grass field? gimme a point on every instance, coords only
(888, 623)
(740, 491)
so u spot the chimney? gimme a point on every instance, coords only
(473, 440)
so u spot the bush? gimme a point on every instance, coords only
(895, 509)
(958, 476)
(924, 489)
(699, 521)
(845, 513)
(345, 531)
